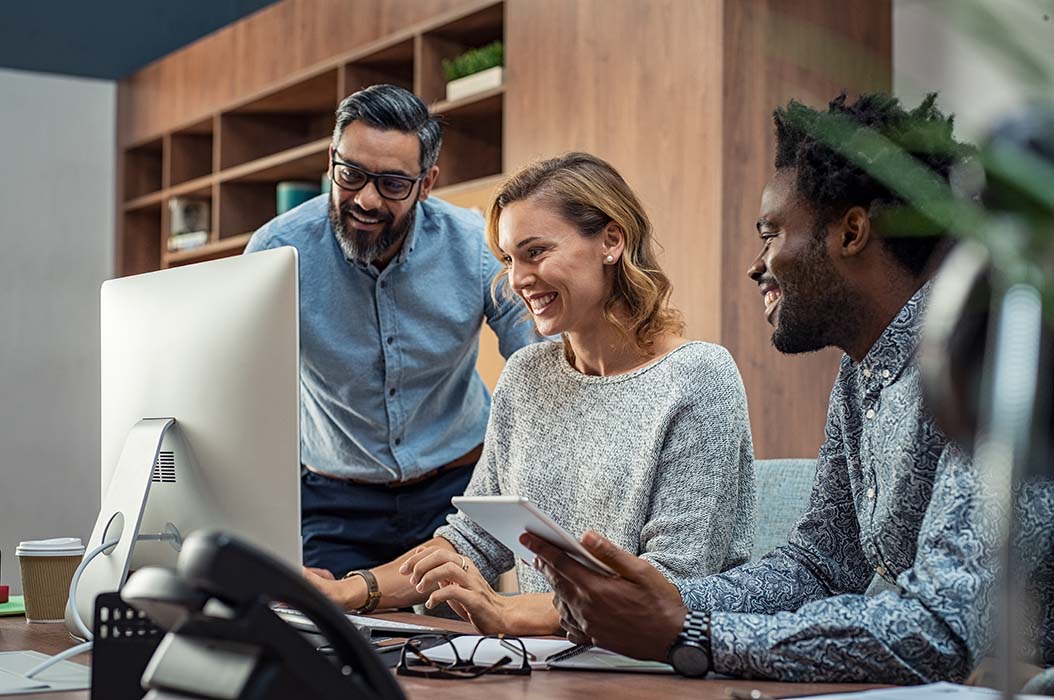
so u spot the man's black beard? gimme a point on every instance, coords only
(362, 248)
(817, 308)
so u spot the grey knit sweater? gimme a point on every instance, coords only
(658, 460)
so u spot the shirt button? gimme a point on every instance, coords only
(867, 372)
(391, 392)
(885, 374)
(881, 570)
(391, 340)
(871, 493)
(870, 413)
(383, 284)
(398, 441)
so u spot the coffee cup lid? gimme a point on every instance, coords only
(55, 547)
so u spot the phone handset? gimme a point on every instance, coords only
(216, 608)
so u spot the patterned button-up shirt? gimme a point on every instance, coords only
(892, 497)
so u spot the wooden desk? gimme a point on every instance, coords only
(15, 634)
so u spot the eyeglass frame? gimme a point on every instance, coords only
(370, 177)
(460, 668)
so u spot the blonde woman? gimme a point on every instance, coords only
(623, 428)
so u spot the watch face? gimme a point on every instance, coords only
(689, 659)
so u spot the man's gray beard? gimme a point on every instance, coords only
(358, 248)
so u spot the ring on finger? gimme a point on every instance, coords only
(464, 563)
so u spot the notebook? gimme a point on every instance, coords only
(548, 654)
(15, 605)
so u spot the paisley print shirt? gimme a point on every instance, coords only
(892, 497)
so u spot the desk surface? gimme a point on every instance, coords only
(16, 634)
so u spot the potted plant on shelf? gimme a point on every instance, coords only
(474, 71)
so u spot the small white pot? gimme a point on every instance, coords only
(471, 84)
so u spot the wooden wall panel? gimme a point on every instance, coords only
(248, 56)
(677, 94)
(775, 51)
(637, 84)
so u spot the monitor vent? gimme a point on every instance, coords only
(165, 468)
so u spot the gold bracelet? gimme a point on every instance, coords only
(373, 593)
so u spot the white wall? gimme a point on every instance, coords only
(56, 247)
(935, 49)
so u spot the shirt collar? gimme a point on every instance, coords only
(896, 347)
(411, 238)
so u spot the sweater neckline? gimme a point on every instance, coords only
(569, 371)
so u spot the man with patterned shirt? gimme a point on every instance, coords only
(893, 497)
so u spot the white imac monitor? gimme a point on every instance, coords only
(200, 414)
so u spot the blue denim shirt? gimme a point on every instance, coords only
(388, 379)
(892, 497)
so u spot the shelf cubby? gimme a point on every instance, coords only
(190, 153)
(449, 41)
(306, 162)
(392, 64)
(472, 138)
(141, 247)
(143, 169)
(293, 116)
(245, 207)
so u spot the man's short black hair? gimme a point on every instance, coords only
(392, 107)
(831, 183)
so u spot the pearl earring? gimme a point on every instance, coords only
(610, 259)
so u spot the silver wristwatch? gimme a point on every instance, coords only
(690, 655)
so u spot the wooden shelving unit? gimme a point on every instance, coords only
(234, 158)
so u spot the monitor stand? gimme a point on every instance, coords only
(120, 516)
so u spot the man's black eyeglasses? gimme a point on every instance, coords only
(353, 178)
(415, 661)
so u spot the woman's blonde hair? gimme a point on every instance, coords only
(589, 194)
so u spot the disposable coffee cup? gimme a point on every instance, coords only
(47, 569)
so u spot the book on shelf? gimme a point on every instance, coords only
(187, 214)
(187, 240)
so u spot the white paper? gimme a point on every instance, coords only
(492, 650)
(937, 691)
(65, 675)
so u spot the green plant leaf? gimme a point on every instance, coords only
(474, 61)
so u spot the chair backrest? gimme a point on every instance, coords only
(783, 488)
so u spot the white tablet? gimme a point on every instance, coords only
(508, 517)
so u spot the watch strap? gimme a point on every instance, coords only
(373, 592)
(697, 629)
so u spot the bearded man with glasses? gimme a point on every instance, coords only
(394, 287)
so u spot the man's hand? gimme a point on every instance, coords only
(637, 612)
(345, 593)
(324, 573)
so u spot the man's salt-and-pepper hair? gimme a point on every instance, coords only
(392, 107)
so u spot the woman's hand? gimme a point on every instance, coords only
(454, 579)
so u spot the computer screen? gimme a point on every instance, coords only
(216, 347)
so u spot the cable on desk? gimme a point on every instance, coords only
(78, 621)
(61, 656)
